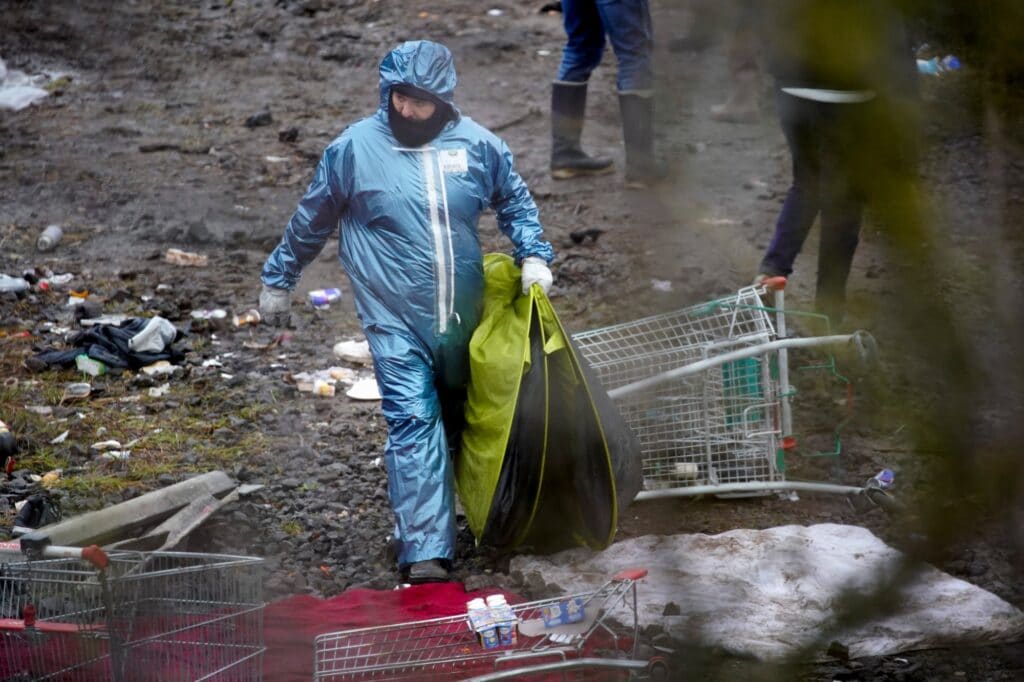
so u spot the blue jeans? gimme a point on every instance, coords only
(627, 24)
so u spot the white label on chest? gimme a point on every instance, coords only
(454, 161)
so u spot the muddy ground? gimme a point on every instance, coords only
(145, 147)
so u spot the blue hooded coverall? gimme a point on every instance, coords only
(407, 223)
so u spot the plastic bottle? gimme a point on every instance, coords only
(49, 238)
(90, 366)
(936, 66)
(8, 283)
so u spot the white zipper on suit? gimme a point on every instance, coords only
(444, 257)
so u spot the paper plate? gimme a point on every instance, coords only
(364, 390)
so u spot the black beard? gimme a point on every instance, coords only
(410, 133)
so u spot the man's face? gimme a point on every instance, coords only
(412, 108)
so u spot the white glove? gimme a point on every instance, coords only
(535, 271)
(275, 306)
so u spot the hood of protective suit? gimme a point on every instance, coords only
(424, 64)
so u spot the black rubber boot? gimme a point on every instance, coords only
(642, 170)
(429, 571)
(568, 160)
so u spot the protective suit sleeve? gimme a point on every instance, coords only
(516, 211)
(315, 219)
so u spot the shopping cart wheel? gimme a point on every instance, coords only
(657, 669)
(885, 500)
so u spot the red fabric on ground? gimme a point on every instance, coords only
(291, 624)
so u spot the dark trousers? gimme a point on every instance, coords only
(828, 181)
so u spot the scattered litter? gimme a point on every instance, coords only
(49, 238)
(661, 285)
(354, 351)
(18, 90)
(179, 257)
(543, 53)
(159, 391)
(324, 388)
(114, 320)
(60, 439)
(211, 314)
(43, 410)
(262, 118)
(8, 283)
(154, 337)
(308, 382)
(90, 366)
(105, 445)
(54, 281)
(77, 297)
(212, 362)
(364, 390)
(76, 391)
(247, 318)
(275, 159)
(50, 477)
(494, 12)
(323, 298)
(114, 456)
(719, 221)
(159, 368)
(39, 509)
(580, 236)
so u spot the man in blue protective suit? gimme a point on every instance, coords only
(627, 25)
(404, 189)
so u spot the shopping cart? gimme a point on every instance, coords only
(85, 615)
(706, 390)
(446, 648)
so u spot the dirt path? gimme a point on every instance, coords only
(147, 148)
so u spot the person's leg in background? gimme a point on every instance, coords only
(628, 23)
(743, 104)
(801, 125)
(583, 50)
(845, 173)
(420, 474)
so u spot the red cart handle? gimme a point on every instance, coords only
(774, 283)
(630, 574)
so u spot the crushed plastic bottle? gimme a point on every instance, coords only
(49, 238)
(938, 66)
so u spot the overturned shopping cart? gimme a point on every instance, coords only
(707, 391)
(604, 637)
(83, 614)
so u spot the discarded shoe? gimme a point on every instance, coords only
(430, 571)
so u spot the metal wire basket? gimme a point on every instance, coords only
(446, 648)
